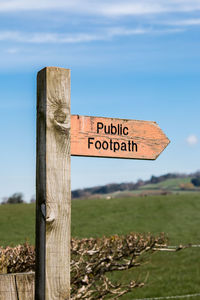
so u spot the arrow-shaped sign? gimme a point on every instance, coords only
(116, 138)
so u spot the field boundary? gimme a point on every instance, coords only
(170, 297)
(175, 248)
(21, 285)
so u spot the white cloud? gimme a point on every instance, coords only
(103, 7)
(22, 5)
(12, 50)
(192, 140)
(184, 22)
(9, 35)
(36, 38)
(120, 31)
(107, 34)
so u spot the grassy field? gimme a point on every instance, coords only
(173, 185)
(169, 184)
(176, 215)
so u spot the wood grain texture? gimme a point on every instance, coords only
(54, 178)
(117, 138)
(8, 287)
(17, 286)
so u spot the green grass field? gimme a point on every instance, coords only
(169, 184)
(176, 215)
(173, 185)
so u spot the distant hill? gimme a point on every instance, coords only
(167, 183)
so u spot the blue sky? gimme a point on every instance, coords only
(128, 59)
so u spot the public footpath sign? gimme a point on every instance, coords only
(60, 135)
(117, 138)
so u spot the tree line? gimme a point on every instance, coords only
(18, 198)
(129, 186)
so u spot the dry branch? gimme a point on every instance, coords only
(91, 260)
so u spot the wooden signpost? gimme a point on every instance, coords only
(53, 186)
(60, 135)
(117, 138)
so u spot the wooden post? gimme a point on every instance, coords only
(53, 190)
(18, 286)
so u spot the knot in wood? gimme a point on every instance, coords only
(60, 115)
(50, 218)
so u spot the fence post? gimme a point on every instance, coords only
(53, 185)
(17, 286)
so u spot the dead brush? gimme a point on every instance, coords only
(18, 259)
(94, 257)
(91, 260)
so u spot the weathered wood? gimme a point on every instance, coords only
(8, 289)
(118, 138)
(53, 185)
(17, 286)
